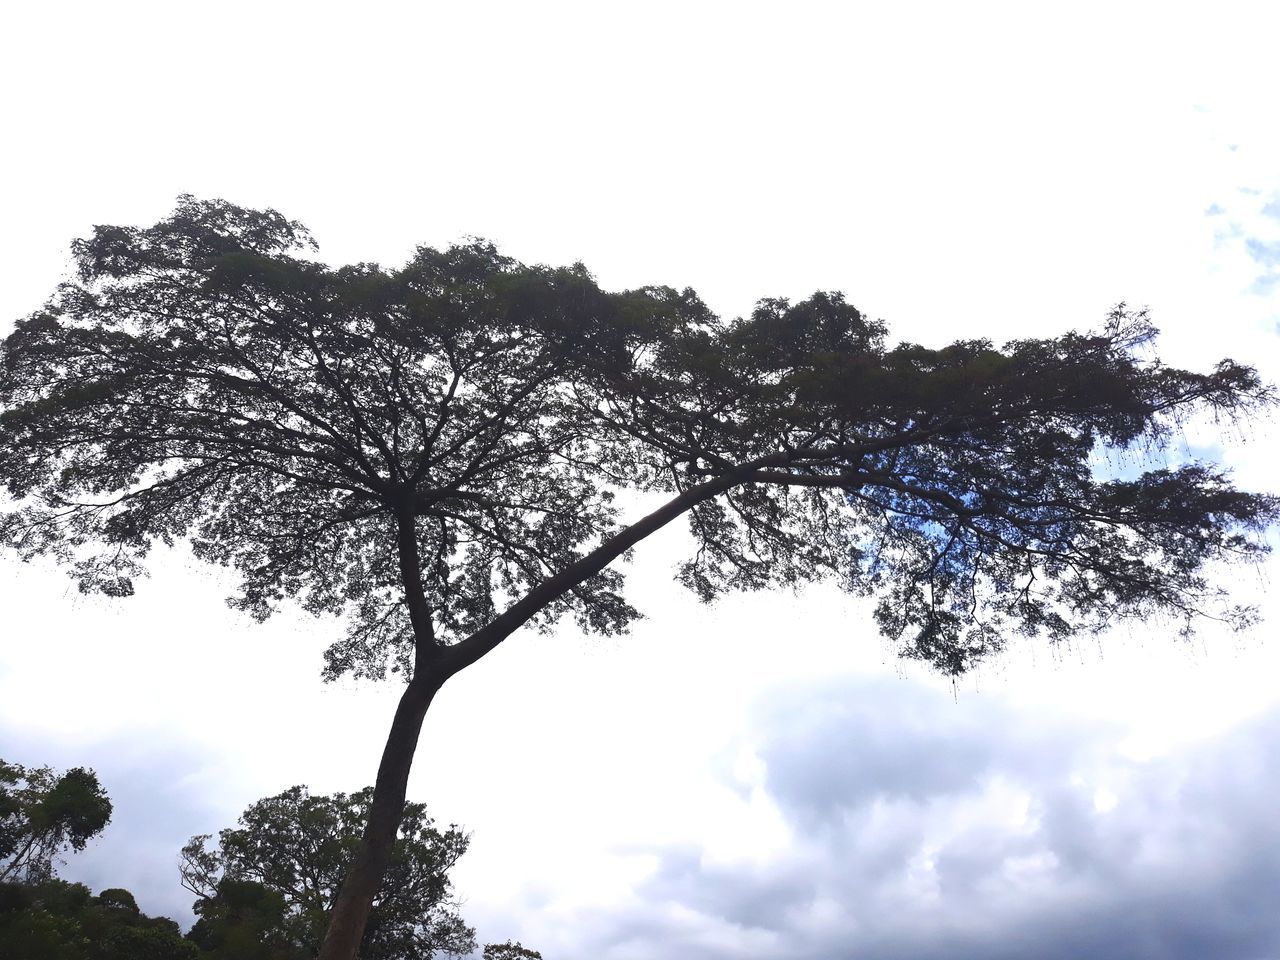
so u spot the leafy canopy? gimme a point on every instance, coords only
(42, 814)
(418, 448)
(56, 920)
(509, 951)
(272, 880)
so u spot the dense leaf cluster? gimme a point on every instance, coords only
(960, 485)
(509, 951)
(418, 448)
(201, 381)
(55, 920)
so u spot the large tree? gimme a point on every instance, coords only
(433, 453)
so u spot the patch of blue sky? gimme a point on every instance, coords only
(1130, 463)
(1264, 252)
(1265, 285)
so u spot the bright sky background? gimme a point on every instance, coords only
(761, 778)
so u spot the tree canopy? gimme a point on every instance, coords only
(434, 453)
(54, 920)
(264, 889)
(271, 881)
(202, 379)
(43, 814)
(509, 951)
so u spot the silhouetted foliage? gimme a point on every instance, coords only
(43, 814)
(55, 920)
(509, 951)
(243, 920)
(433, 453)
(270, 882)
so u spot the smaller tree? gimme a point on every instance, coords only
(275, 877)
(509, 951)
(244, 920)
(42, 814)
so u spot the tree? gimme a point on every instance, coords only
(55, 920)
(270, 883)
(43, 814)
(433, 453)
(509, 951)
(243, 920)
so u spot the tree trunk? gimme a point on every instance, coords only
(434, 665)
(351, 908)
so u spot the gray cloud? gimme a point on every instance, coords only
(158, 801)
(904, 849)
(838, 749)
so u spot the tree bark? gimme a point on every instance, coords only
(351, 908)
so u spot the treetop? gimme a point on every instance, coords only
(423, 449)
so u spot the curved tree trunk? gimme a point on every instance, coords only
(434, 665)
(355, 899)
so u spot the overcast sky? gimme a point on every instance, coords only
(790, 791)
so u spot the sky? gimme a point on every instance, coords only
(791, 790)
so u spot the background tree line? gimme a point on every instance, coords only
(263, 888)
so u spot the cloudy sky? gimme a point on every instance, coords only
(793, 792)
